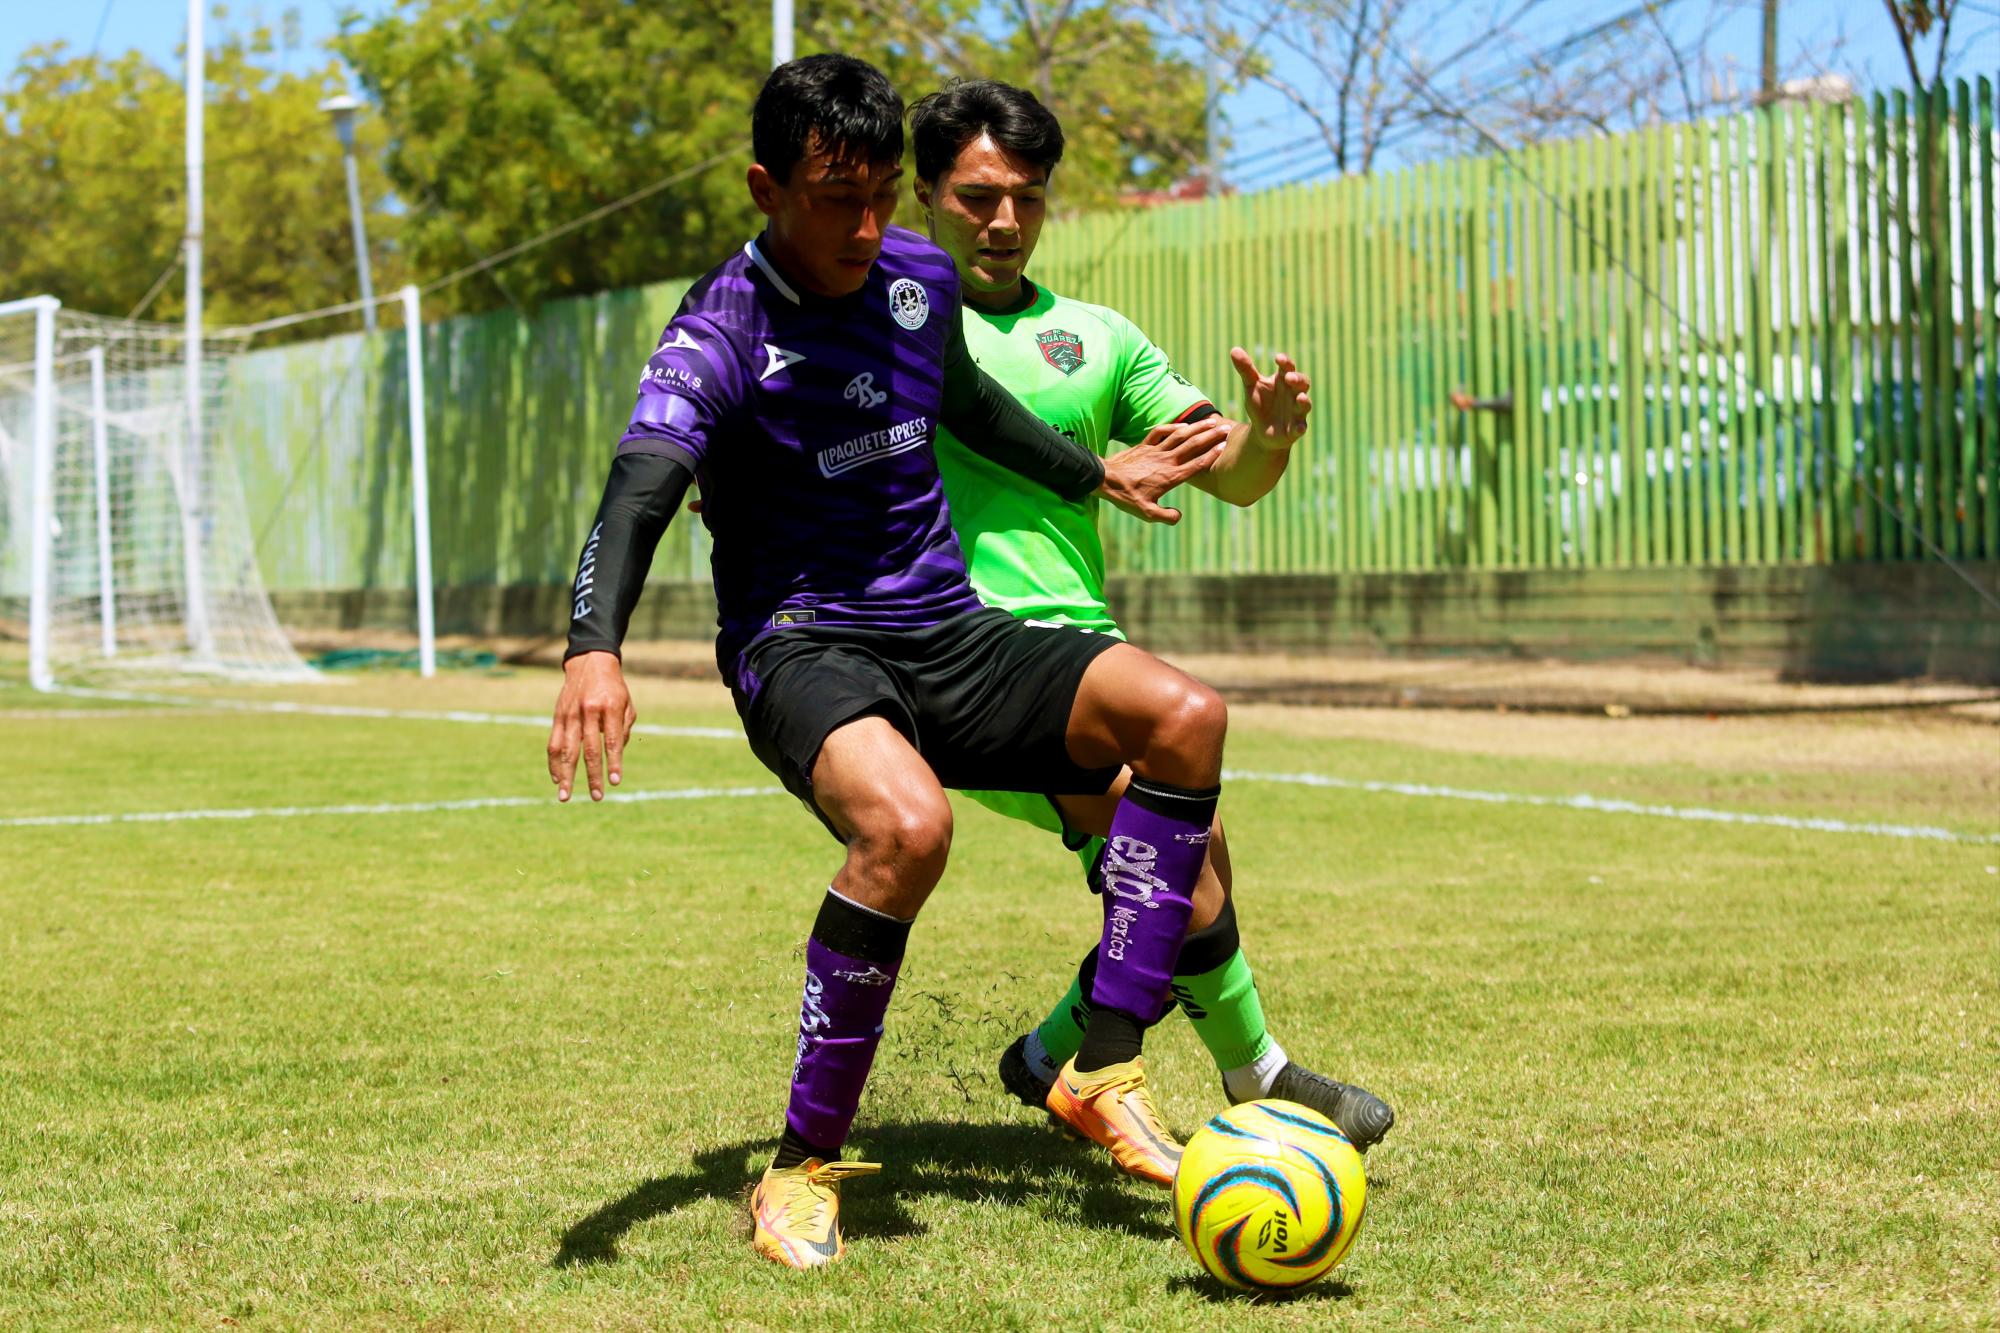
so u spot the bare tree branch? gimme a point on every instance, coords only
(1044, 33)
(1906, 38)
(1345, 96)
(1674, 53)
(897, 19)
(1947, 10)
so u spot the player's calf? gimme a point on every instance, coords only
(852, 959)
(1168, 728)
(1159, 839)
(875, 793)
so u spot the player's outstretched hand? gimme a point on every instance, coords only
(594, 717)
(1276, 404)
(1136, 478)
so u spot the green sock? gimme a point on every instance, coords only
(1222, 1004)
(1220, 999)
(1061, 1033)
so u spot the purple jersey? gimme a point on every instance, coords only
(808, 422)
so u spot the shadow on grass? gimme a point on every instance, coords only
(1206, 1287)
(972, 1162)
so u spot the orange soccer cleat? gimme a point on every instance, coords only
(797, 1211)
(1112, 1106)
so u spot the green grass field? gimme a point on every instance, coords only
(516, 1065)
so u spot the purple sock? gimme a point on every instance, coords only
(852, 960)
(1159, 839)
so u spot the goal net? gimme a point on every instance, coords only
(124, 548)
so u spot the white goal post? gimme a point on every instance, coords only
(40, 419)
(124, 542)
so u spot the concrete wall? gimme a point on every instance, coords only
(1832, 622)
(1816, 622)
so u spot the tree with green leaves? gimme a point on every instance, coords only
(509, 120)
(494, 122)
(96, 204)
(1131, 109)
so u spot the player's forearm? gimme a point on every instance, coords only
(990, 422)
(639, 501)
(1249, 468)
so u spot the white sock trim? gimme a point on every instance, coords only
(1246, 1083)
(872, 911)
(1038, 1058)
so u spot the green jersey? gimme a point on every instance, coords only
(1090, 373)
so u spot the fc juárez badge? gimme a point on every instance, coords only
(1061, 349)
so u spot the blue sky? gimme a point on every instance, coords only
(1853, 37)
(1853, 33)
(154, 26)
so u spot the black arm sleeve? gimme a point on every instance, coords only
(990, 422)
(639, 501)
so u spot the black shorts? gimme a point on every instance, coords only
(983, 697)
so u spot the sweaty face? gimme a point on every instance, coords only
(986, 212)
(827, 220)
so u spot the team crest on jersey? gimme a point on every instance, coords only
(1061, 349)
(909, 303)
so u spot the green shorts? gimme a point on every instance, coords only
(1031, 808)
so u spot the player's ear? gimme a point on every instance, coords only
(764, 189)
(922, 189)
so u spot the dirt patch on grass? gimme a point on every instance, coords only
(1616, 689)
(1952, 749)
(1738, 720)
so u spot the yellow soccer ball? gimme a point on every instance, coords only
(1269, 1196)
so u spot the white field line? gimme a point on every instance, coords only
(1603, 806)
(391, 714)
(1591, 804)
(92, 714)
(381, 808)
(1584, 802)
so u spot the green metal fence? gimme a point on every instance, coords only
(1764, 339)
(523, 414)
(1752, 340)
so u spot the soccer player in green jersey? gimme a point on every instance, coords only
(984, 154)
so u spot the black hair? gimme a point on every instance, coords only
(943, 123)
(833, 102)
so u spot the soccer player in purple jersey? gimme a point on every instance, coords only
(800, 385)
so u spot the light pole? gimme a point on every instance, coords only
(1212, 109)
(342, 109)
(781, 32)
(194, 613)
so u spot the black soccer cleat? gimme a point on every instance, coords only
(1020, 1080)
(1358, 1113)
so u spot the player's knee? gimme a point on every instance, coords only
(1193, 724)
(909, 840)
(924, 837)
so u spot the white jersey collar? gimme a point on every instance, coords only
(756, 254)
